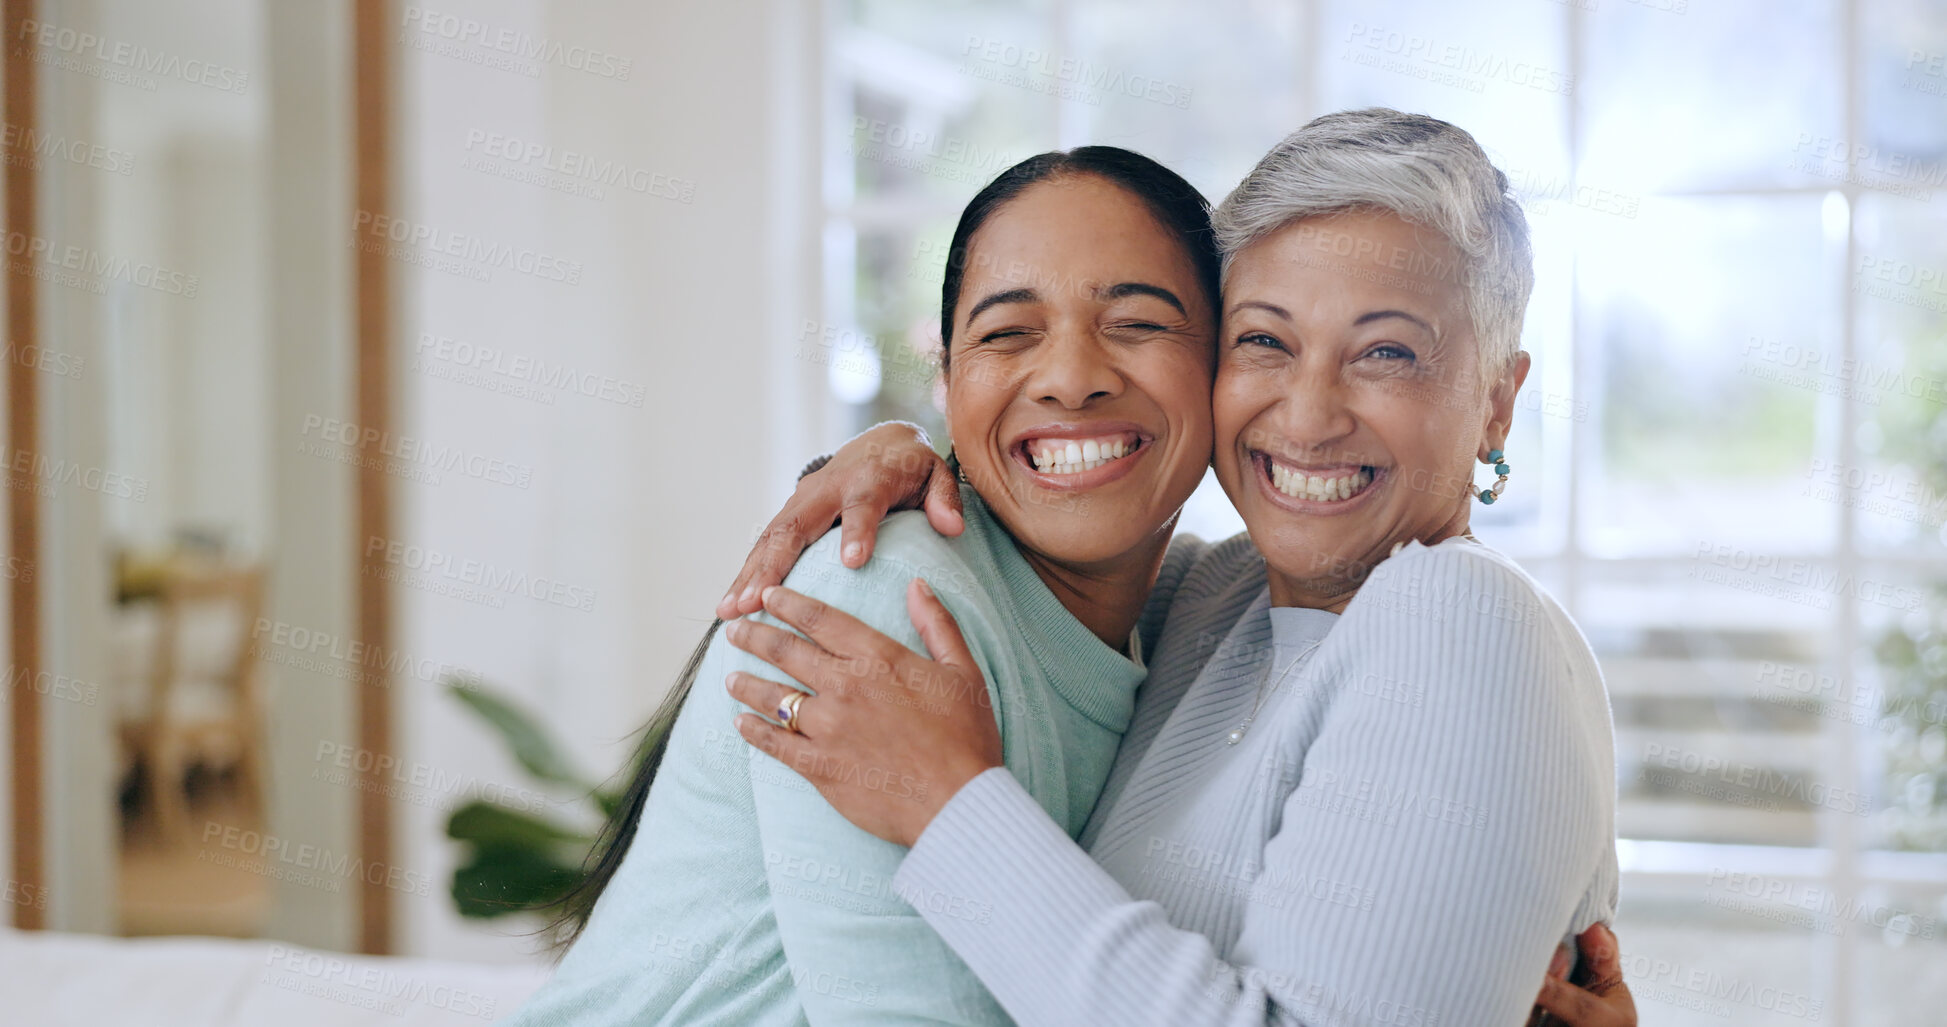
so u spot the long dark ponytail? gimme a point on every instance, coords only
(1175, 203)
(572, 910)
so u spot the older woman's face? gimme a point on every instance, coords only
(1349, 403)
(1078, 393)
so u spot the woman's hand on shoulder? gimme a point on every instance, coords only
(1596, 996)
(887, 736)
(888, 467)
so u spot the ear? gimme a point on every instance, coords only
(1500, 405)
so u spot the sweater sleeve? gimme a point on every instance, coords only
(858, 953)
(1425, 865)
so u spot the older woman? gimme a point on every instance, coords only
(1370, 776)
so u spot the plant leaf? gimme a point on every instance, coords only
(488, 825)
(497, 882)
(529, 744)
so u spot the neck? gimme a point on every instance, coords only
(1334, 592)
(1107, 597)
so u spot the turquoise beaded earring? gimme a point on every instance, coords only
(1490, 494)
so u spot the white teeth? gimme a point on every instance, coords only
(1065, 456)
(1299, 485)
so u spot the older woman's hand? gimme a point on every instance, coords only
(889, 466)
(887, 736)
(1596, 996)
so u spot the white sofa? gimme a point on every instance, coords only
(49, 979)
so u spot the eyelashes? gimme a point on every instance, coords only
(1395, 356)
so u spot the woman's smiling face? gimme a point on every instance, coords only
(1350, 402)
(1078, 385)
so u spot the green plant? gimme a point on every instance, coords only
(1912, 652)
(517, 860)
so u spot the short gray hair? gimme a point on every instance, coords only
(1422, 169)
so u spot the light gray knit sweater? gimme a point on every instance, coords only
(1421, 810)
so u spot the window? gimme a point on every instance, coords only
(1731, 455)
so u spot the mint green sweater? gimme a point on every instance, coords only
(746, 899)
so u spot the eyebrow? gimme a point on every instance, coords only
(1271, 308)
(998, 298)
(1363, 319)
(1117, 291)
(1378, 315)
(1124, 289)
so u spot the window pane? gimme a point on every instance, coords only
(1690, 962)
(1898, 486)
(1705, 749)
(1729, 93)
(1703, 427)
(1904, 80)
(880, 348)
(1204, 88)
(1499, 71)
(1898, 969)
(940, 97)
(1904, 734)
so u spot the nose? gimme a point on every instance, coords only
(1314, 413)
(1074, 369)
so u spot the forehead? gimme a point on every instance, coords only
(1355, 258)
(1068, 235)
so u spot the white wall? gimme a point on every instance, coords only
(648, 508)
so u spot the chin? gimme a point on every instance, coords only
(1076, 537)
(1301, 552)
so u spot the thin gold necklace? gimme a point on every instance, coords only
(1237, 733)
